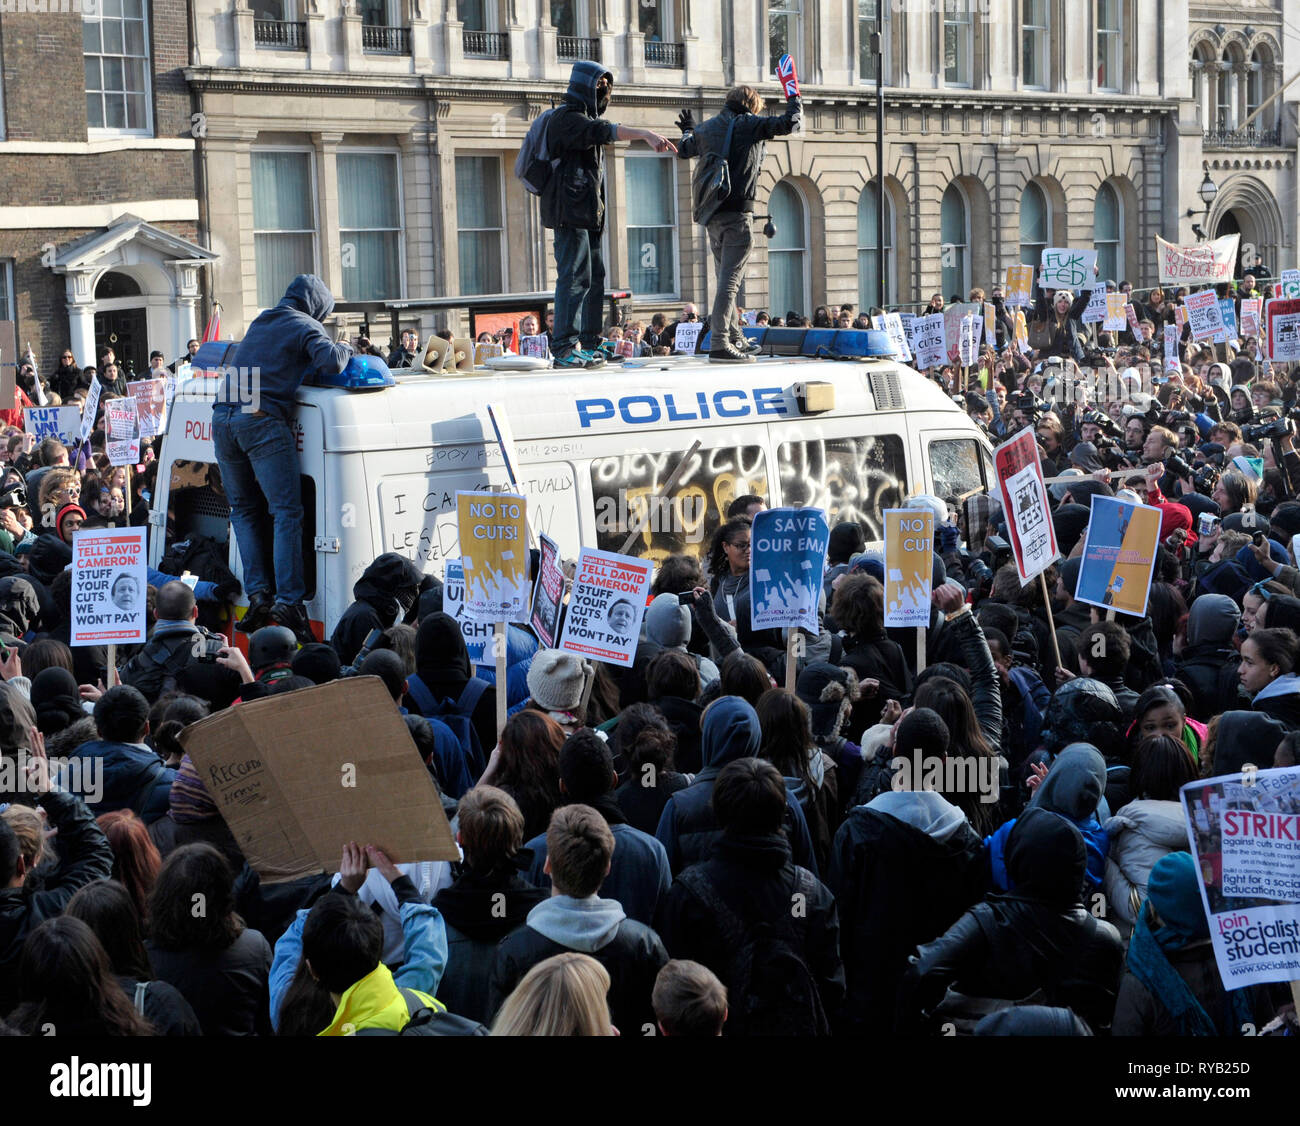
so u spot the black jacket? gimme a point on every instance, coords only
(753, 876)
(164, 1007)
(1140, 1013)
(228, 988)
(633, 958)
(1065, 337)
(153, 670)
(748, 146)
(85, 856)
(386, 590)
(574, 196)
(478, 912)
(896, 887)
(880, 659)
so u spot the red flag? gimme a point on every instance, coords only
(785, 72)
(213, 331)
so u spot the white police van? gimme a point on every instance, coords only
(380, 470)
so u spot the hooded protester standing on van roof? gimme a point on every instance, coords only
(573, 205)
(257, 451)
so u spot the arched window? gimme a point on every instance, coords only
(868, 276)
(1034, 225)
(1108, 234)
(787, 252)
(954, 233)
(1205, 73)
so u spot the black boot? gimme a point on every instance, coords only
(294, 617)
(256, 616)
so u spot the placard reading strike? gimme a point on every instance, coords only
(606, 606)
(108, 586)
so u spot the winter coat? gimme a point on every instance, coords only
(1139, 1013)
(1208, 665)
(284, 345)
(753, 876)
(683, 718)
(84, 857)
(1140, 834)
(153, 670)
(227, 988)
(876, 658)
(476, 921)
(134, 777)
(631, 953)
(383, 595)
(574, 196)
(748, 148)
(165, 1008)
(19, 609)
(688, 828)
(1280, 699)
(644, 805)
(882, 855)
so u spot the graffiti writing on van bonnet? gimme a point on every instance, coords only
(625, 489)
(851, 478)
(419, 513)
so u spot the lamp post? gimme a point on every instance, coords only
(877, 52)
(1207, 191)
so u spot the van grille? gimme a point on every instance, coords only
(886, 390)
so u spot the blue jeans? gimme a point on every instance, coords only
(259, 468)
(579, 290)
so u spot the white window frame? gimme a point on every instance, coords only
(667, 15)
(648, 154)
(1115, 82)
(1119, 229)
(8, 308)
(1043, 34)
(392, 13)
(791, 9)
(289, 11)
(805, 250)
(965, 286)
(963, 18)
(107, 131)
(315, 207)
(501, 242)
(887, 235)
(367, 150)
(491, 17)
(863, 30)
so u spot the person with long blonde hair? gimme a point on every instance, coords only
(560, 996)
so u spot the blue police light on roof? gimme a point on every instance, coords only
(830, 342)
(363, 373)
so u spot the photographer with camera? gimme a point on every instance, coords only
(1051, 438)
(176, 640)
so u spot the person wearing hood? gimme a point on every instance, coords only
(903, 868)
(573, 205)
(1171, 984)
(257, 452)
(1149, 826)
(579, 847)
(444, 687)
(1071, 617)
(1074, 788)
(385, 595)
(668, 625)
(1208, 663)
(488, 900)
(1242, 739)
(638, 875)
(749, 879)
(1038, 937)
(1267, 674)
(19, 609)
(688, 826)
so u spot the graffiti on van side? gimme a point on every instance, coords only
(851, 478)
(626, 489)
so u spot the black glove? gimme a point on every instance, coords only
(685, 121)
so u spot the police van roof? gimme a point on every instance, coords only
(674, 393)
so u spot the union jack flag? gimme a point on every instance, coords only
(786, 74)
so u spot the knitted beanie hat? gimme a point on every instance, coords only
(556, 679)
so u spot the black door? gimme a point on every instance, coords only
(124, 330)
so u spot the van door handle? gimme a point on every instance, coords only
(327, 543)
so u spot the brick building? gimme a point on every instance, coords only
(100, 237)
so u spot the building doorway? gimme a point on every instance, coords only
(126, 332)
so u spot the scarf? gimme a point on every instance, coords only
(190, 800)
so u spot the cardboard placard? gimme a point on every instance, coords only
(1024, 500)
(494, 554)
(606, 606)
(1119, 556)
(968, 340)
(1020, 283)
(548, 594)
(295, 780)
(150, 397)
(109, 577)
(63, 422)
(1243, 831)
(909, 566)
(786, 562)
(1066, 268)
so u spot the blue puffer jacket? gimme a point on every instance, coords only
(284, 345)
(520, 647)
(132, 777)
(688, 827)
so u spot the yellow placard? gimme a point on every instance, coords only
(494, 554)
(1020, 281)
(909, 566)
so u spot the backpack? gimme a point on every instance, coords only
(534, 166)
(772, 991)
(712, 180)
(428, 1022)
(456, 714)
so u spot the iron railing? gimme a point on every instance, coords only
(570, 47)
(1251, 138)
(377, 39)
(281, 35)
(665, 54)
(486, 44)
